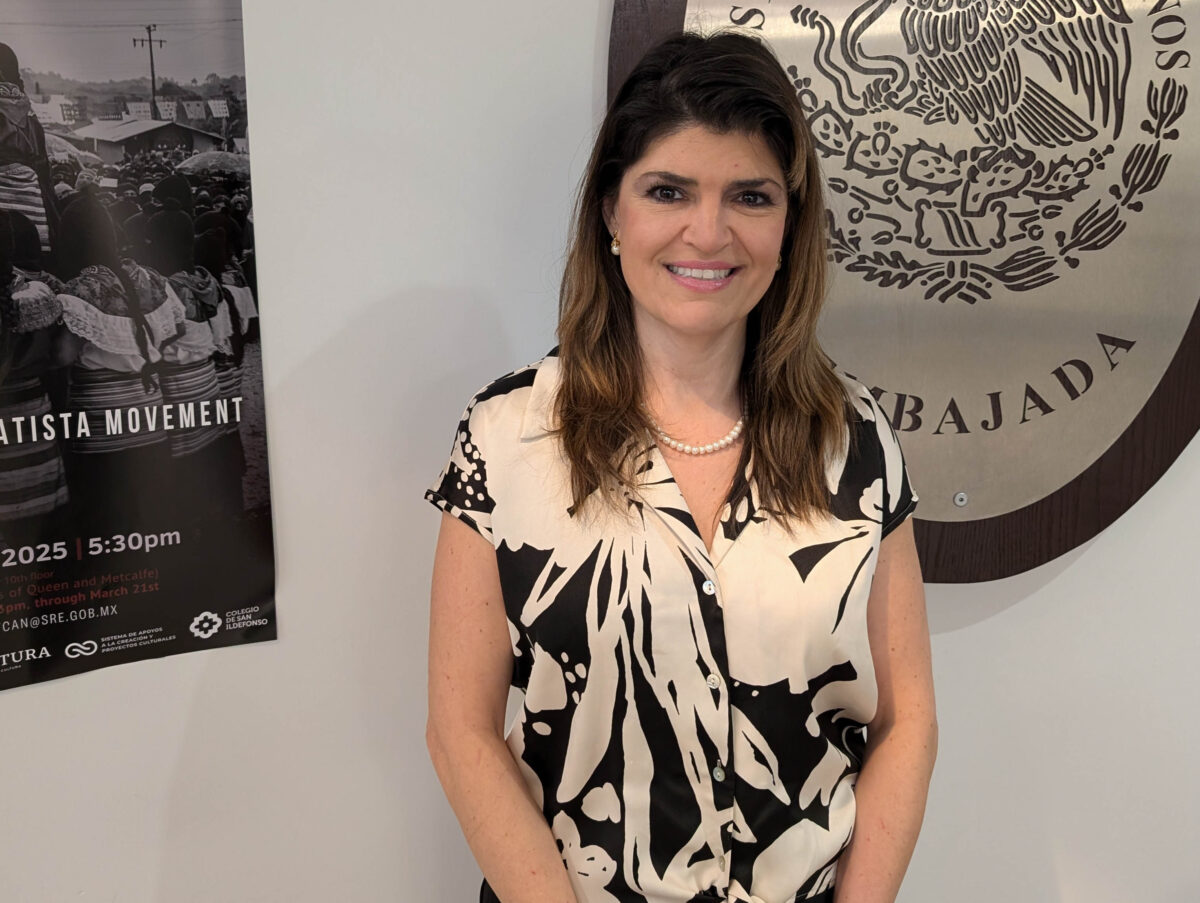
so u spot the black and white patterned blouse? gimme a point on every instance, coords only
(693, 722)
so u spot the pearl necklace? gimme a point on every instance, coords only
(724, 442)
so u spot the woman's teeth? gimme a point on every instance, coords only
(699, 274)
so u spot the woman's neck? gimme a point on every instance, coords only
(691, 384)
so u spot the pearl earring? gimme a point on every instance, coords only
(615, 247)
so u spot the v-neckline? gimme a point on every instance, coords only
(660, 490)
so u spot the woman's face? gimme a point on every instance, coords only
(701, 219)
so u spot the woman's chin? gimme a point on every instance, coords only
(694, 328)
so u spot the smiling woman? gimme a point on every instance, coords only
(700, 220)
(698, 569)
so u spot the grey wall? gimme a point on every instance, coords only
(413, 169)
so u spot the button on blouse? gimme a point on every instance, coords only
(692, 722)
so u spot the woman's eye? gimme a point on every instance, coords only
(665, 193)
(754, 199)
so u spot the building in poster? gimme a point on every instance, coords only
(135, 517)
(113, 141)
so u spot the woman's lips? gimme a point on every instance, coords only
(702, 276)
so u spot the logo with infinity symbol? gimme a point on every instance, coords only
(206, 624)
(76, 650)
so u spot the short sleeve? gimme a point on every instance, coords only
(461, 490)
(899, 499)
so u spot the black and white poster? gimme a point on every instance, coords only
(135, 515)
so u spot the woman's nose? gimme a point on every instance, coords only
(707, 228)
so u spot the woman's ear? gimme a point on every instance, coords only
(608, 208)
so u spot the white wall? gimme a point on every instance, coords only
(413, 172)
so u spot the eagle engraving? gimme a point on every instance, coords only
(969, 65)
(964, 132)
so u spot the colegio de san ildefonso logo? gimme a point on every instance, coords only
(1012, 224)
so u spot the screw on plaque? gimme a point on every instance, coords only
(960, 499)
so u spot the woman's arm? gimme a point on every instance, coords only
(470, 666)
(901, 739)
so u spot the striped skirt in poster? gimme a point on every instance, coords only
(229, 379)
(33, 481)
(20, 192)
(100, 394)
(195, 383)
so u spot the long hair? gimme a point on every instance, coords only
(797, 406)
(172, 240)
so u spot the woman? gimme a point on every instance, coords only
(188, 373)
(33, 484)
(25, 182)
(212, 256)
(118, 317)
(240, 275)
(29, 263)
(232, 276)
(698, 565)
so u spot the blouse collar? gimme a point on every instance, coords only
(656, 486)
(539, 420)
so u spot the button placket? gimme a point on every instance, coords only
(712, 616)
(722, 787)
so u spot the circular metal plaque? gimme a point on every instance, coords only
(1010, 201)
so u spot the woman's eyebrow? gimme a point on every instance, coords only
(684, 182)
(754, 183)
(664, 176)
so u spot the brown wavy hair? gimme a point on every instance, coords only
(797, 406)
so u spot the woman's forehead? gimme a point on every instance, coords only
(700, 153)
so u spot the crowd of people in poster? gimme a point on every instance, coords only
(127, 304)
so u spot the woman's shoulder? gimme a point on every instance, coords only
(489, 439)
(869, 424)
(511, 382)
(863, 408)
(37, 305)
(55, 284)
(517, 402)
(97, 286)
(876, 454)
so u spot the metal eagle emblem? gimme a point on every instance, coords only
(968, 154)
(1011, 191)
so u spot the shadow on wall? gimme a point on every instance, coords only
(303, 765)
(967, 848)
(954, 606)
